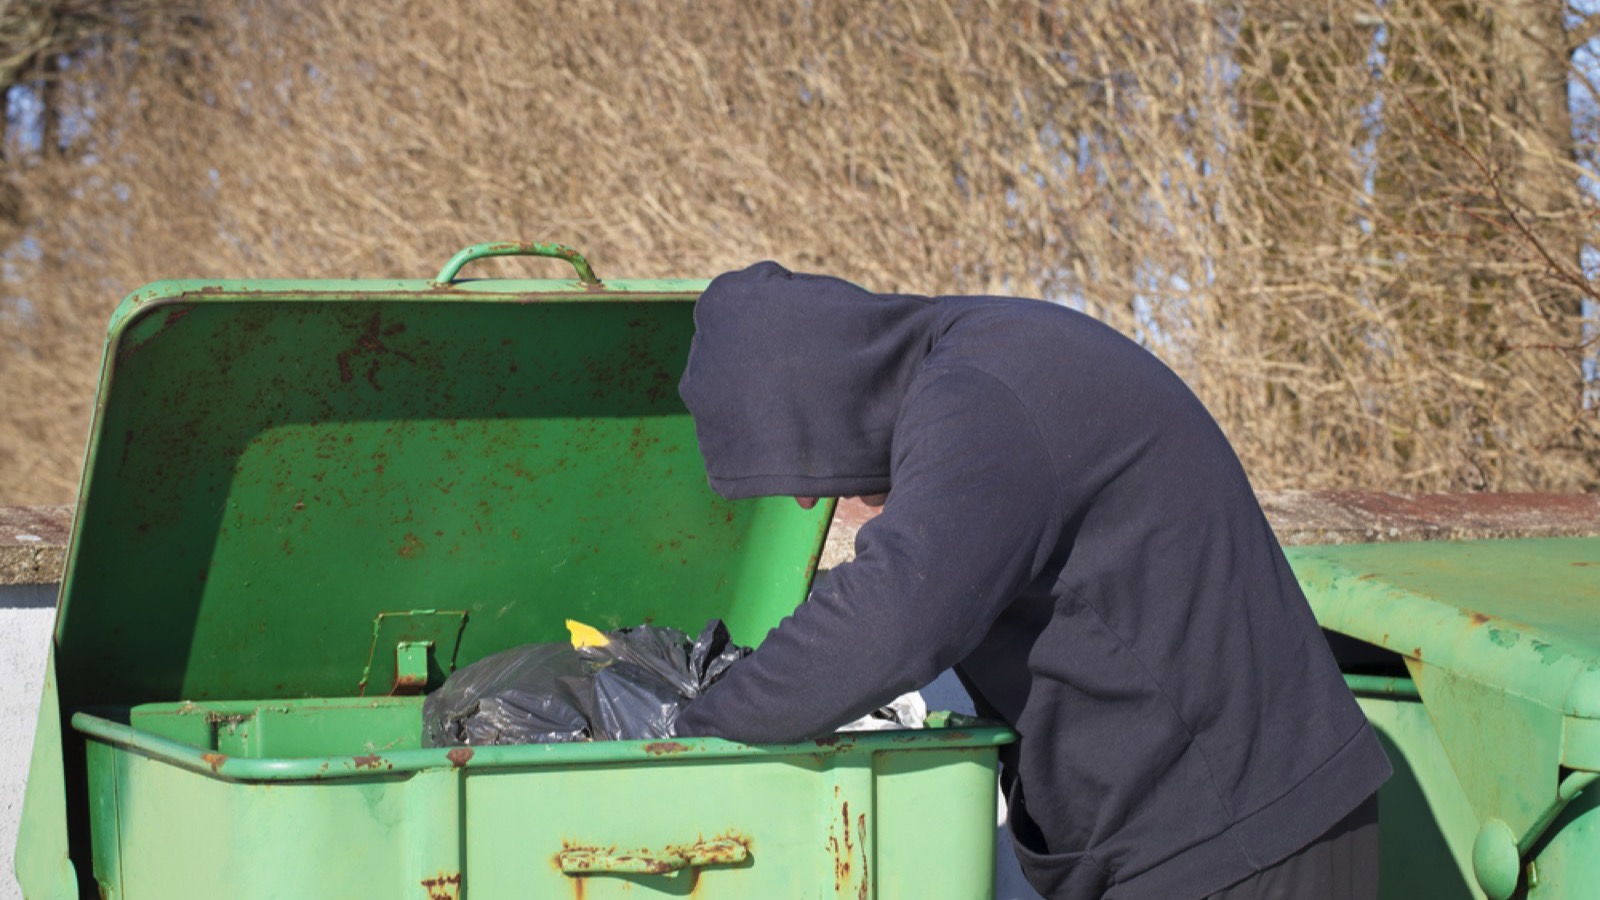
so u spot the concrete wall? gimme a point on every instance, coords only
(33, 543)
(27, 612)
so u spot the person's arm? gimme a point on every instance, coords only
(972, 517)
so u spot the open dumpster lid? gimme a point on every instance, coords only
(286, 480)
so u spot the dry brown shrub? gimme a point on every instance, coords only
(1348, 227)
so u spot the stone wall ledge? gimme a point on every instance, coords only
(33, 543)
(1353, 517)
(33, 539)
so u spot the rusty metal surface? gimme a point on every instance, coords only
(444, 886)
(580, 859)
(166, 732)
(269, 472)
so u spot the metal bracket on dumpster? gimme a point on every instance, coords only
(411, 664)
(411, 650)
(1515, 787)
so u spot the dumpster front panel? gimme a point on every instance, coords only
(886, 814)
(174, 834)
(915, 822)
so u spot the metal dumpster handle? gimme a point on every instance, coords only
(588, 860)
(517, 248)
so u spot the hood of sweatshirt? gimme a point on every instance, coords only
(795, 381)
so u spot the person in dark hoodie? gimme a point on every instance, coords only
(1068, 528)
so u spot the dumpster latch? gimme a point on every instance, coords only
(411, 660)
(411, 651)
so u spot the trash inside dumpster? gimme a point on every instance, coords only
(629, 684)
(306, 503)
(1488, 705)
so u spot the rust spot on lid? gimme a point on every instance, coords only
(828, 741)
(1478, 618)
(371, 761)
(371, 344)
(214, 760)
(411, 546)
(662, 748)
(459, 756)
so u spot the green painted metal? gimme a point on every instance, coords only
(1514, 613)
(411, 666)
(43, 861)
(278, 779)
(321, 460)
(1502, 645)
(1495, 862)
(1428, 826)
(301, 490)
(325, 739)
(439, 631)
(586, 274)
(1382, 686)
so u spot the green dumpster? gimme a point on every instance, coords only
(306, 502)
(1488, 703)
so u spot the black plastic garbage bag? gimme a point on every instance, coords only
(532, 694)
(630, 689)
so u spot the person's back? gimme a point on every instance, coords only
(1069, 529)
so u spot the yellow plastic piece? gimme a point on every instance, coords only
(586, 635)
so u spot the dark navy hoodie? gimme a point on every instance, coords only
(1068, 528)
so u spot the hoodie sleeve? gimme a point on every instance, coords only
(973, 515)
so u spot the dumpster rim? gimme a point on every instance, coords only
(277, 769)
